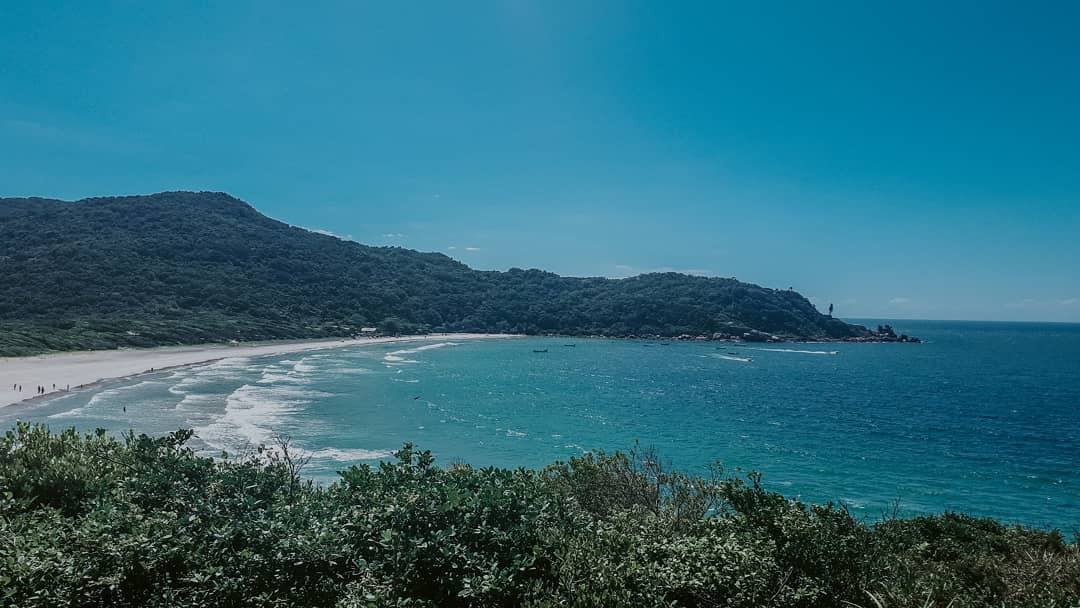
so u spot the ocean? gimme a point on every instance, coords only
(982, 418)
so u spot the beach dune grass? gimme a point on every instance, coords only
(91, 520)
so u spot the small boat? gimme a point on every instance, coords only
(539, 351)
(569, 345)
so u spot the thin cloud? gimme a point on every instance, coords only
(451, 248)
(393, 235)
(69, 135)
(1035, 302)
(626, 270)
(900, 300)
(472, 249)
(347, 237)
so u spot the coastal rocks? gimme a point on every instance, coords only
(755, 335)
(736, 333)
(883, 333)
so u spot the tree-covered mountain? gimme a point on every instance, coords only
(186, 267)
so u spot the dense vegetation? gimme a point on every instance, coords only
(188, 267)
(88, 520)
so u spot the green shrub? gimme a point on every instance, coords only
(91, 520)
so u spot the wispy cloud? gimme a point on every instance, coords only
(32, 128)
(472, 249)
(451, 248)
(899, 300)
(626, 270)
(1037, 303)
(69, 135)
(347, 237)
(393, 235)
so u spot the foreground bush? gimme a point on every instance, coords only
(87, 520)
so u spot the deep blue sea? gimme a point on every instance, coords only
(982, 417)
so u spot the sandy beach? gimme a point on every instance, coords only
(86, 368)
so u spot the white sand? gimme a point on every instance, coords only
(89, 367)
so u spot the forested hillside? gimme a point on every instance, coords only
(184, 267)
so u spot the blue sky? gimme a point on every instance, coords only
(902, 160)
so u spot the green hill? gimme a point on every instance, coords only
(186, 267)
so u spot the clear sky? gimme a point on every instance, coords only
(901, 160)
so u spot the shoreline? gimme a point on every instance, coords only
(81, 370)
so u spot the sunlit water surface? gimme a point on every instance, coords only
(982, 418)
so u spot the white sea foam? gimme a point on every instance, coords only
(100, 398)
(395, 357)
(228, 366)
(730, 358)
(190, 400)
(272, 378)
(852, 503)
(348, 454)
(409, 351)
(252, 412)
(303, 368)
(231, 368)
(804, 352)
(297, 373)
(72, 413)
(349, 370)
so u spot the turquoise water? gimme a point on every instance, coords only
(982, 418)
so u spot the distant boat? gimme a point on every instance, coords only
(539, 351)
(569, 345)
(731, 358)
